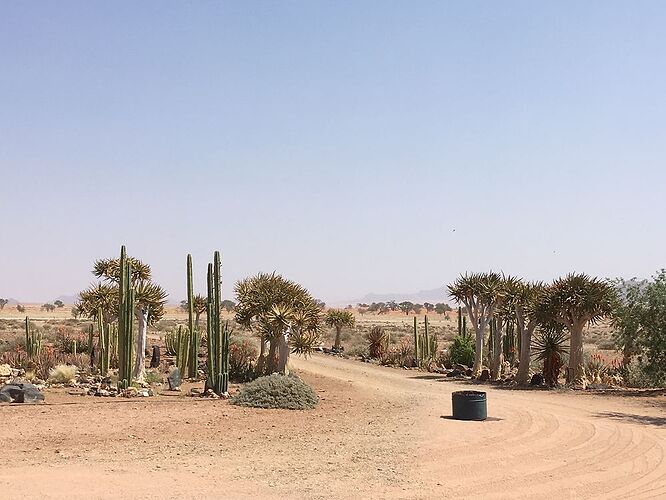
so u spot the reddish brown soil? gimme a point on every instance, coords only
(377, 433)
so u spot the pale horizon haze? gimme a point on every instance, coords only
(355, 147)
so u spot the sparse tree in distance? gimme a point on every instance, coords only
(339, 319)
(48, 307)
(59, 303)
(3, 303)
(441, 308)
(406, 307)
(429, 307)
(20, 308)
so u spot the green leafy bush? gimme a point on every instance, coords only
(462, 350)
(277, 391)
(640, 329)
(153, 377)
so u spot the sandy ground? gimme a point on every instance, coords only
(378, 433)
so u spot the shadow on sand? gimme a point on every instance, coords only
(632, 417)
(488, 419)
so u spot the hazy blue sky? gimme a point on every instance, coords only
(339, 143)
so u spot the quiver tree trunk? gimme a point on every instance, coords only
(576, 372)
(283, 354)
(338, 331)
(271, 362)
(480, 330)
(261, 361)
(140, 345)
(522, 377)
(498, 355)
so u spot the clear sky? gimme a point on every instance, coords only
(352, 146)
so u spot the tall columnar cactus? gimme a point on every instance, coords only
(426, 338)
(90, 338)
(217, 377)
(460, 323)
(425, 344)
(194, 333)
(417, 353)
(104, 344)
(125, 321)
(509, 344)
(33, 340)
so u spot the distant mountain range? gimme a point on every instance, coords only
(433, 296)
(66, 299)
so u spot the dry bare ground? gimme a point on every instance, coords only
(378, 433)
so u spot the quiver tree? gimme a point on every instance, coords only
(481, 294)
(103, 298)
(574, 302)
(199, 307)
(282, 313)
(339, 319)
(522, 298)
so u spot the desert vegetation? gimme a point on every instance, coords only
(209, 348)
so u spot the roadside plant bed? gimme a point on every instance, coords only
(286, 392)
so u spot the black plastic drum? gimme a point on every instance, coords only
(469, 405)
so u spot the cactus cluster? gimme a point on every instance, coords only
(462, 323)
(425, 344)
(177, 344)
(218, 332)
(125, 322)
(108, 344)
(33, 340)
(510, 340)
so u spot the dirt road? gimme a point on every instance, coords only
(378, 433)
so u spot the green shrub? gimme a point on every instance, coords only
(153, 377)
(277, 391)
(462, 350)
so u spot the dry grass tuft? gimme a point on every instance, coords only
(63, 374)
